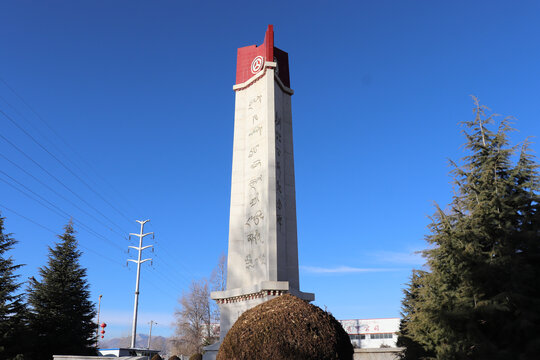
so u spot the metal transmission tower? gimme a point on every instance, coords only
(97, 325)
(140, 248)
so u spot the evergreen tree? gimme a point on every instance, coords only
(481, 298)
(60, 310)
(413, 349)
(12, 308)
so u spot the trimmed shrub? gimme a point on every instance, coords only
(174, 357)
(286, 327)
(195, 357)
(156, 357)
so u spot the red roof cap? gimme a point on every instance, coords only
(251, 58)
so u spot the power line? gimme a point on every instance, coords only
(54, 232)
(57, 180)
(39, 202)
(160, 289)
(162, 275)
(170, 279)
(58, 209)
(56, 212)
(166, 253)
(60, 151)
(161, 259)
(65, 142)
(52, 143)
(28, 219)
(63, 165)
(59, 194)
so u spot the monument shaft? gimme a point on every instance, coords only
(262, 229)
(263, 251)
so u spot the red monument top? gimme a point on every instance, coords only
(251, 59)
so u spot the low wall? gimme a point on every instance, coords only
(83, 357)
(377, 354)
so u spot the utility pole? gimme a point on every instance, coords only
(97, 327)
(140, 248)
(150, 334)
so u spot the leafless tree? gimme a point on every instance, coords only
(218, 281)
(219, 274)
(198, 313)
(193, 318)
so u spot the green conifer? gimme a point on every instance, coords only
(481, 298)
(60, 310)
(12, 307)
(412, 348)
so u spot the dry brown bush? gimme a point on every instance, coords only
(286, 327)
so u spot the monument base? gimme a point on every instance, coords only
(234, 302)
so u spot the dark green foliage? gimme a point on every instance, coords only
(12, 307)
(156, 357)
(413, 350)
(480, 298)
(195, 357)
(286, 327)
(60, 310)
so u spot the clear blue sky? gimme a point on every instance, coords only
(142, 93)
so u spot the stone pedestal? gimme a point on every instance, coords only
(232, 303)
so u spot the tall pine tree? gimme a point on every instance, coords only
(480, 298)
(12, 307)
(60, 310)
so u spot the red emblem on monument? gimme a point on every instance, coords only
(257, 64)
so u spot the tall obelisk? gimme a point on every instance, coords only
(263, 250)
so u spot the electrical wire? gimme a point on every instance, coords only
(54, 232)
(57, 210)
(60, 195)
(64, 141)
(57, 180)
(61, 138)
(170, 279)
(62, 163)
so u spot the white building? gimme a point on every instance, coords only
(364, 333)
(372, 333)
(123, 352)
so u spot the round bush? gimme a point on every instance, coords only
(174, 357)
(286, 327)
(195, 357)
(156, 357)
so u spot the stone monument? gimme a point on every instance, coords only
(263, 251)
